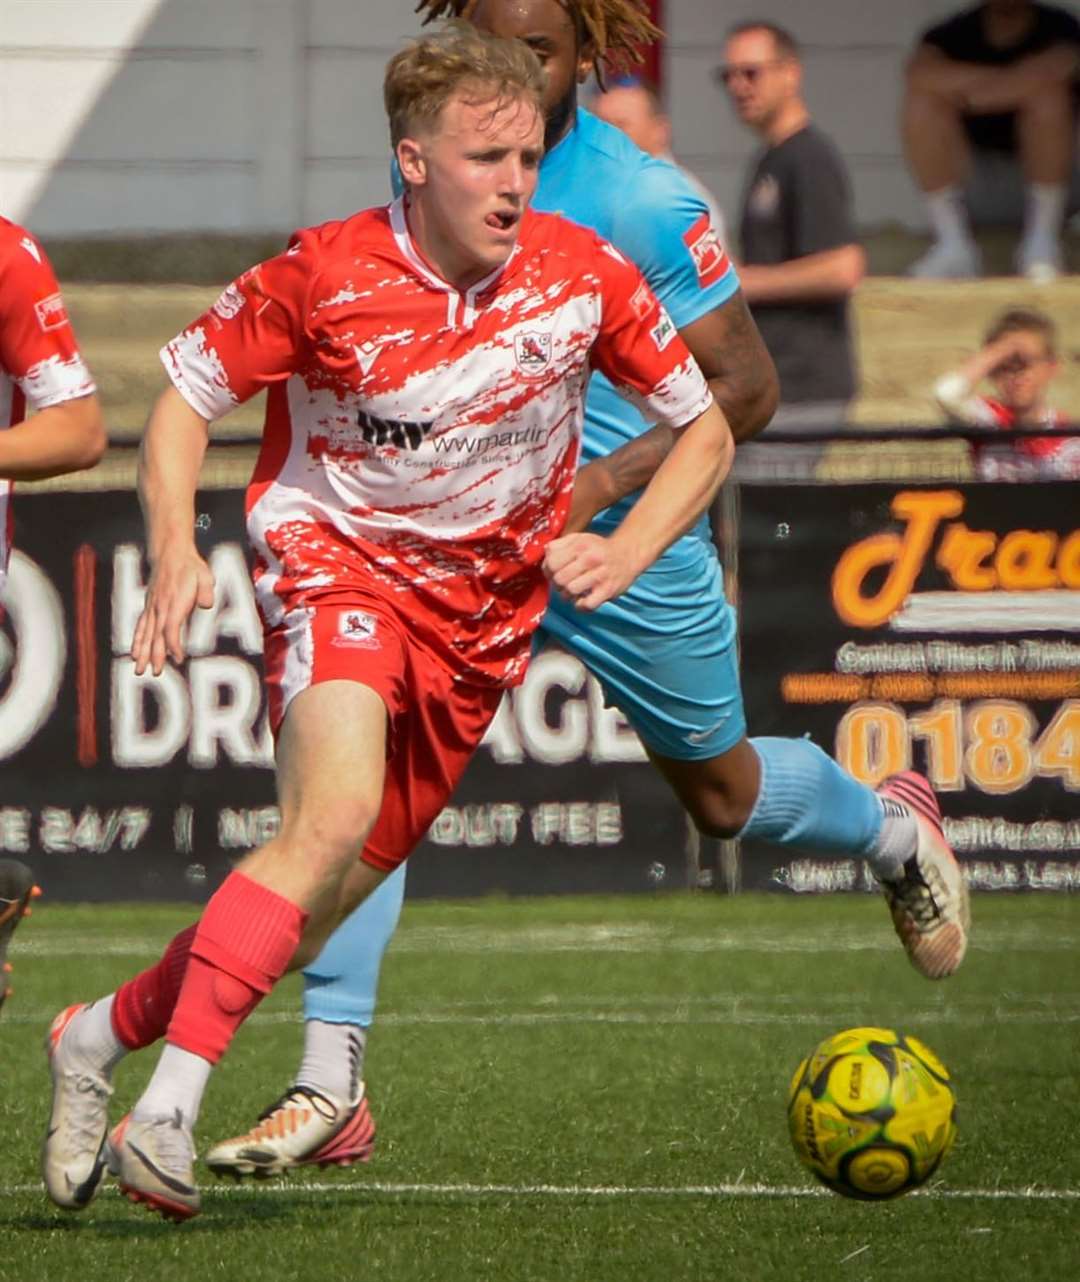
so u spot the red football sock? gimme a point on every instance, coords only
(142, 1007)
(244, 941)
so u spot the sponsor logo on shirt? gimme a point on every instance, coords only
(32, 249)
(402, 433)
(643, 302)
(230, 302)
(357, 628)
(532, 351)
(710, 260)
(663, 331)
(51, 312)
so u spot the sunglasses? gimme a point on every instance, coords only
(749, 71)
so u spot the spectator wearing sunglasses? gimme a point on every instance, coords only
(800, 258)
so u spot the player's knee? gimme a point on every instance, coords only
(720, 813)
(925, 106)
(1049, 105)
(333, 835)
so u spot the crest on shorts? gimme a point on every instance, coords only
(532, 351)
(357, 627)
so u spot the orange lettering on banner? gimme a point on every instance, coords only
(963, 556)
(974, 560)
(1068, 562)
(1025, 560)
(905, 554)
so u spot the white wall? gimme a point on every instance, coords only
(257, 115)
(854, 52)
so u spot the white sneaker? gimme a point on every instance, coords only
(304, 1128)
(154, 1162)
(929, 900)
(1040, 259)
(72, 1156)
(948, 260)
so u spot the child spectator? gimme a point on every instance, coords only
(1019, 358)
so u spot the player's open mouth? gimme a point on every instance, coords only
(503, 220)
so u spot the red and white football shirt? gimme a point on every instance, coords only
(40, 363)
(421, 442)
(1053, 455)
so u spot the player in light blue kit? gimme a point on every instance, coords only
(665, 650)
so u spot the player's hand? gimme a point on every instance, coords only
(587, 570)
(179, 582)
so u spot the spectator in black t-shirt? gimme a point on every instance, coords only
(800, 260)
(995, 84)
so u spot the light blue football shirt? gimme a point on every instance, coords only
(645, 206)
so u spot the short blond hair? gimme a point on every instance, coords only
(421, 79)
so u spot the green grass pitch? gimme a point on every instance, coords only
(593, 1089)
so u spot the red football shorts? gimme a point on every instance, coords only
(435, 722)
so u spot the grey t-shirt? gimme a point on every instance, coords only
(798, 202)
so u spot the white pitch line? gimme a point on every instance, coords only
(466, 941)
(688, 1019)
(600, 1191)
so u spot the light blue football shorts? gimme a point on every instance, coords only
(664, 653)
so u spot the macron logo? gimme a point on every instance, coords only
(31, 249)
(366, 355)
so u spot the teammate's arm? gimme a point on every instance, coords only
(170, 458)
(38, 350)
(60, 439)
(249, 338)
(589, 569)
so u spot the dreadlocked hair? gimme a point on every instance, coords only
(615, 28)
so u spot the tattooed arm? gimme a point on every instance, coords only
(727, 346)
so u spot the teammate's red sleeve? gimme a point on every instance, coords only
(37, 344)
(253, 335)
(640, 349)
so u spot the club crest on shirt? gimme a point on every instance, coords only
(532, 351)
(357, 628)
(663, 331)
(710, 260)
(51, 312)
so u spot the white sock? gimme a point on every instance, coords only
(896, 843)
(178, 1083)
(948, 216)
(1044, 211)
(91, 1036)
(333, 1060)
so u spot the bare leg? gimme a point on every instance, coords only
(1045, 131)
(939, 157)
(935, 145)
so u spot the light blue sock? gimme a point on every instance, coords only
(806, 800)
(341, 983)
